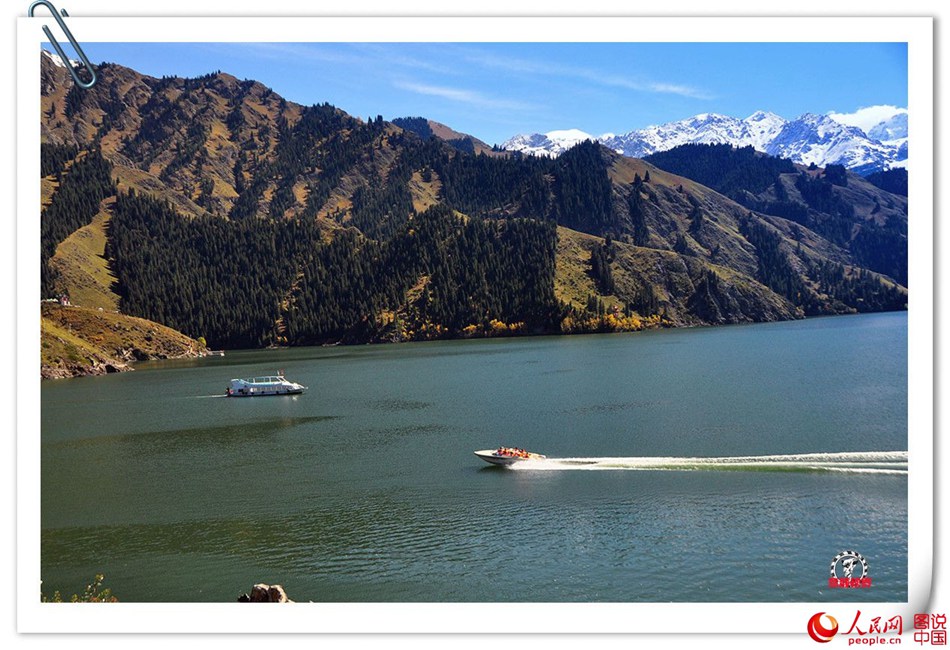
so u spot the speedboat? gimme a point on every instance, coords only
(259, 386)
(507, 455)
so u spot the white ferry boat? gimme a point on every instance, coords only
(258, 386)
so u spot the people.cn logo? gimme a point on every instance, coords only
(849, 569)
(819, 631)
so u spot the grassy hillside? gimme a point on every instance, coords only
(81, 341)
(82, 266)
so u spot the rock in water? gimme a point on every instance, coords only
(262, 593)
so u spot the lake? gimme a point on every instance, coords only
(366, 489)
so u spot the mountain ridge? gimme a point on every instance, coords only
(810, 138)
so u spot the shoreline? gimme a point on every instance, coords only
(113, 366)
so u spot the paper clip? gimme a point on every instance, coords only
(72, 41)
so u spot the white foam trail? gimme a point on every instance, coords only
(855, 462)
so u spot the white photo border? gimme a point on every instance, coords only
(34, 616)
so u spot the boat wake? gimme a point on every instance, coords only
(856, 462)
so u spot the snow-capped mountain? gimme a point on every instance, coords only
(893, 130)
(808, 139)
(821, 140)
(763, 127)
(707, 128)
(551, 144)
(58, 61)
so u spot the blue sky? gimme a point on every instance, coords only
(496, 90)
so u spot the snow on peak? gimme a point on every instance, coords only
(762, 121)
(56, 60)
(551, 144)
(761, 116)
(709, 118)
(818, 120)
(763, 126)
(569, 134)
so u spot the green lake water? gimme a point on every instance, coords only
(366, 489)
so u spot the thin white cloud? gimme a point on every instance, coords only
(366, 55)
(526, 66)
(511, 64)
(463, 95)
(297, 51)
(643, 86)
(868, 117)
(678, 89)
(372, 55)
(395, 55)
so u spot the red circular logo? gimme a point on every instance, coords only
(818, 631)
